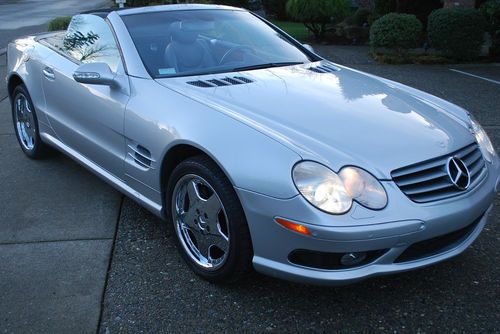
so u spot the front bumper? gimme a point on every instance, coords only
(390, 231)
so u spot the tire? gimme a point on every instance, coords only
(225, 261)
(26, 124)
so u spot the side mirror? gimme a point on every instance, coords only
(95, 74)
(309, 48)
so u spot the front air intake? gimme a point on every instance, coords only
(220, 82)
(324, 68)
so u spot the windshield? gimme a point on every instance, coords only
(195, 42)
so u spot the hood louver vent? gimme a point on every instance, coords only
(227, 81)
(325, 68)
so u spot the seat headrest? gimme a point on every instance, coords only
(184, 32)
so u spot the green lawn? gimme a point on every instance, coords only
(297, 30)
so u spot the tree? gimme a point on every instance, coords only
(316, 14)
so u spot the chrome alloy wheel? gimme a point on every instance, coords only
(200, 222)
(25, 121)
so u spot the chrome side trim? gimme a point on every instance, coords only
(106, 176)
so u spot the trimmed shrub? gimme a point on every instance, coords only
(457, 32)
(276, 8)
(399, 32)
(316, 14)
(59, 23)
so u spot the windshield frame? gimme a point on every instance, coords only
(312, 57)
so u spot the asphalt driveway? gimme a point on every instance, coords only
(64, 268)
(150, 289)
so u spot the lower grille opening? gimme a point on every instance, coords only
(331, 261)
(430, 247)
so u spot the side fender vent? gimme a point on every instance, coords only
(324, 68)
(141, 156)
(227, 81)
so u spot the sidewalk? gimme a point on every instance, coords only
(3, 73)
(57, 224)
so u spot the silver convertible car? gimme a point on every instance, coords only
(256, 151)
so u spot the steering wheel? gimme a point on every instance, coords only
(232, 50)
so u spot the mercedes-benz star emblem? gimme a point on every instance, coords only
(458, 173)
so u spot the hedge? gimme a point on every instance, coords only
(457, 32)
(399, 32)
(59, 23)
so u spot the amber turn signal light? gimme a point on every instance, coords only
(293, 226)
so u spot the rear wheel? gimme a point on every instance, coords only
(26, 124)
(208, 220)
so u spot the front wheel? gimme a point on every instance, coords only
(210, 226)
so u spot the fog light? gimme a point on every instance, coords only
(352, 259)
(293, 226)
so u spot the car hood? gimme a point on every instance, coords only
(340, 118)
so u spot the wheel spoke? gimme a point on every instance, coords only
(27, 107)
(192, 192)
(189, 219)
(19, 110)
(203, 245)
(220, 241)
(206, 242)
(211, 207)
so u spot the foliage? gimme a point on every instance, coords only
(78, 39)
(491, 10)
(359, 18)
(294, 29)
(275, 8)
(234, 3)
(59, 23)
(423, 59)
(141, 3)
(354, 29)
(315, 14)
(399, 32)
(421, 8)
(457, 32)
(383, 7)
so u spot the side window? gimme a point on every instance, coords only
(90, 40)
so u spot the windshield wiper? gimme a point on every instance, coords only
(267, 65)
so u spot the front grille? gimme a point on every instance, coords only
(437, 245)
(428, 181)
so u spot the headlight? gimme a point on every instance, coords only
(333, 192)
(363, 188)
(483, 140)
(321, 187)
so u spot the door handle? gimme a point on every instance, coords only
(48, 73)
